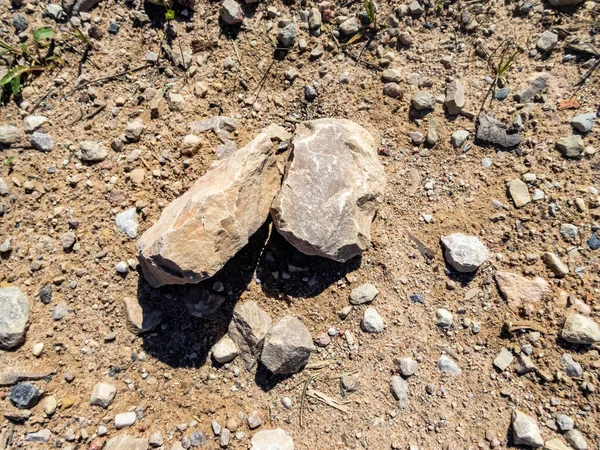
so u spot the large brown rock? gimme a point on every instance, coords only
(201, 230)
(333, 186)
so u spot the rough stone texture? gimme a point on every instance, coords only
(127, 222)
(248, 328)
(492, 131)
(571, 367)
(455, 97)
(9, 135)
(399, 388)
(92, 152)
(464, 253)
(231, 12)
(458, 138)
(141, 317)
(12, 375)
(372, 321)
(554, 263)
(103, 395)
(333, 177)
(571, 146)
(24, 395)
(520, 291)
(525, 430)
(533, 86)
(422, 101)
(224, 350)
(519, 193)
(576, 440)
(126, 442)
(14, 317)
(276, 439)
(201, 230)
(365, 293)
(287, 346)
(556, 444)
(579, 329)
(584, 122)
(125, 419)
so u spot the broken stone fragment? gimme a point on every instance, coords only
(520, 291)
(455, 97)
(533, 86)
(248, 328)
(492, 131)
(141, 317)
(579, 329)
(333, 186)
(201, 230)
(525, 430)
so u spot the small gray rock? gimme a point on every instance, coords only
(422, 101)
(287, 36)
(287, 346)
(92, 152)
(444, 318)
(41, 141)
(584, 122)
(447, 365)
(14, 317)
(231, 12)
(576, 440)
(276, 439)
(525, 430)
(399, 388)
(24, 395)
(579, 329)
(492, 131)
(564, 422)
(571, 147)
(349, 27)
(547, 41)
(503, 359)
(365, 293)
(464, 253)
(458, 138)
(9, 135)
(407, 367)
(103, 395)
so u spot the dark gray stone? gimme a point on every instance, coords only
(492, 131)
(24, 395)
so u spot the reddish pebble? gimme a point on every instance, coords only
(97, 444)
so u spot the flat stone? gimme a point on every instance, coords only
(503, 359)
(127, 222)
(571, 146)
(92, 152)
(349, 27)
(525, 430)
(391, 76)
(533, 86)
(276, 439)
(201, 230)
(447, 365)
(579, 329)
(42, 436)
(569, 231)
(492, 131)
(103, 395)
(464, 253)
(584, 122)
(49, 405)
(59, 312)
(24, 395)
(126, 442)
(455, 97)
(32, 123)
(564, 422)
(554, 263)
(12, 375)
(365, 293)
(333, 177)
(225, 350)
(141, 316)
(399, 388)
(524, 365)
(126, 419)
(14, 317)
(372, 321)
(519, 192)
(520, 291)
(287, 346)
(571, 367)
(547, 41)
(248, 328)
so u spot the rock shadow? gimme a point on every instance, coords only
(286, 273)
(196, 316)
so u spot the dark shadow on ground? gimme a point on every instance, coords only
(184, 340)
(286, 273)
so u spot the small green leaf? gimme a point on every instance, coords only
(170, 14)
(15, 85)
(42, 33)
(17, 72)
